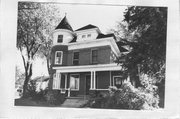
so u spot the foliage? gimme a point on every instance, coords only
(19, 78)
(127, 97)
(148, 44)
(54, 97)
(145, 34)
(33, 93)
(34, 22)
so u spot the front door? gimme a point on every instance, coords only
(88, 83)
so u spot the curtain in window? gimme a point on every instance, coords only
(74, 82)
(58, 57)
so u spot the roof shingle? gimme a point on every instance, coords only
(64, 25)
(90, 26)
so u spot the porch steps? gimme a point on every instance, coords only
(75, 102)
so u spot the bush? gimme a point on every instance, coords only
(127, 97)
(54, 97)
(33, 94)
(97, 100)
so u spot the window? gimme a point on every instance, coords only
(94, 56)
(83, 36)
(60, 39)
(74, 82)
(118, 81)
(89, 35)
(58, 57)
(76, 58)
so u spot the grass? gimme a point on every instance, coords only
(30, 102)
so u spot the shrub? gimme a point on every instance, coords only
(54, 97)
(129, 97)
(33, 94)
(126, 97)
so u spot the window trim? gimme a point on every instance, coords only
(92, 56)
(75, 59)
(78, 82)
(115, 77)
(56, 57)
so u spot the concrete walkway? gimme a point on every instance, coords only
(75, 102)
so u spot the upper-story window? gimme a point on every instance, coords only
(60, 39)
(94, 56)
(76, 58)
(58, 57)
(89, 35)
(83, 36)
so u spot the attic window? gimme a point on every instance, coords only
(60, 39)
(83, 36)
(89, 35)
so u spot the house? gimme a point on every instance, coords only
(83, 61)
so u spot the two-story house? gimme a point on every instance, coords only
(83, 60)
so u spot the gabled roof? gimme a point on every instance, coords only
(90, 26)
(64, 24)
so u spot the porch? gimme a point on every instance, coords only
(81, 80)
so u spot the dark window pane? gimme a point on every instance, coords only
(75, 62)
(76, 58)
(62, 81)
(60, 38)
(94, 56)
(76, 55)
(58, 54)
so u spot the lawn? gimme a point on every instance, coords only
(30, 102)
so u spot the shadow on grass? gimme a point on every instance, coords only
(30, 102)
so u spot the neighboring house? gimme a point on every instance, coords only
(41, 82)
(83, 60)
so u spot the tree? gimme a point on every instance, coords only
(147, 26)
(50, 17)
(28, 37)
(32, 32)
(149, 42)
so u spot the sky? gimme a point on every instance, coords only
(79, 15)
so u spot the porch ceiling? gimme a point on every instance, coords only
(88, 68)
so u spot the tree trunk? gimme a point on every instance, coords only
(28, 74)
(48, 65)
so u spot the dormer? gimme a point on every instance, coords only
(63, 33)
(89, 32)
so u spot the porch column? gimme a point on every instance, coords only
(110, 79)
(65, 81)
(94, 79)
(91, 80)
(59, 78)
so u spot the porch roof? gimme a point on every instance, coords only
(89, 68)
